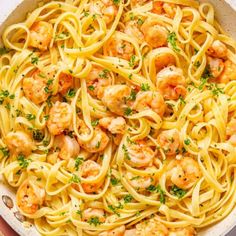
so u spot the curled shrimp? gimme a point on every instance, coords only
(60, 118)
(229, 72)
(184, 173)
(98, 142)
(115, 97)
(150, 100)
(34, 87)
(231, 131)
(106, 8)
(114, 125)
(139, 154)
(132, 29)
(119, 231)
(90, 213)
(216, 66)
(139, 182)
(217, 49)
(151, 227)
(154, 34)
(164, 8)
(19, 142)
(97, 80)
(163, 60)
(117, 47)
(187, 231)
(65, 82)
(29, 197)
(68, 147)
(169, 141)
(40, 35)
(171, 82)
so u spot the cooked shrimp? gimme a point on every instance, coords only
(184, 173)
(106, 8)
(217, 49)
(119, 231)
(169, 141)
(139, 182)
(154, 34)
(163, 60)
(60, 118)
(65, 82)
(40, 35)
(19, 142)
(216, 66)
(34, 87)
(164, 8)
(29, 197)
(97, 80)
(187, 231)
(229, 72)
(231, 131)
(132, 29)
(139, 154)
(69, 147)
(150, 100)
(115, 97)
(98, 142)
(119, 48)
(94, 213)
(171, 82)
(151, 227)
(114, 125)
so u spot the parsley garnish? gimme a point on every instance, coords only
(91, 88)
(30, 117)
(128, 111)
(126, 153)
(157, 189)
(145, 87)
(98, 144)
(132, 95)
(94, 221)
(38, 135)
(5, 151)
(187, 141)
(94, 123)
(78, 162)
(34, 60)
(74, 179)
(128, 198)
(172, 38)
(114, 181)
(71, 93)
(115, 208)
(3, 51)
(104, 74)
(132, 61)
(116, 1)
(178, 192)
(22, 161)
(140, 21)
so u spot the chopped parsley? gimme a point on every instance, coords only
(79, 212)
(132, 95)
(74, 179)
(94, 123)
(94, 221)
(30, 117)
(126, 153)
(78, 162)
(23, 163)
(38, 135)
(3, 51)
(172, 38)
(115, 208)
(182, 101)
(98, 144)
(5, 151)
(128, 198)
(116, 1)
(34, 60)
(157, 189)
(91, 88)
(71, 93)
(140, 21)
(187, 141)
(128, 111)
(132, 61)
(104, 74)
(178, 192)
(145, 87)
(114, 181)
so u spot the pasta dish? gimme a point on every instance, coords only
(118, 118)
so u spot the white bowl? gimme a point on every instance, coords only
(12, 11)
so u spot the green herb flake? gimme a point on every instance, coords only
(132, 61)
(34, 60)
(23, 163)
(128, 111)
(74, 179)
(172, 39)
(187, 141)
(78, 162)
(145, 87)
(71, 93)
(114, 181)
(30, 117)
(94, 221)
(178, 192)
(128, 198)
(94, 123)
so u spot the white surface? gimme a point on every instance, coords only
(227, 18)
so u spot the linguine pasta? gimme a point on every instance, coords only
(118, 117)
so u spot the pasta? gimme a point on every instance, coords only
(119, 117)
